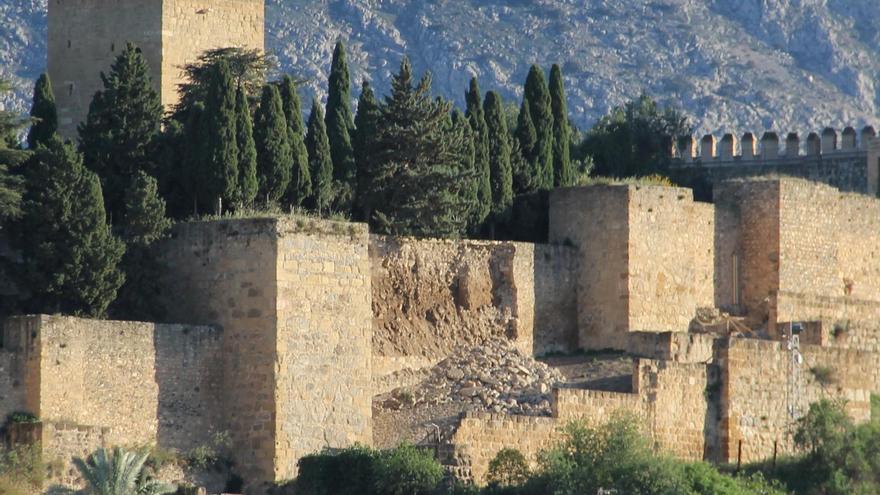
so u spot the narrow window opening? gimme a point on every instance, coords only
(70, 90)
(735, 278)
(68, 43)
(113, 47)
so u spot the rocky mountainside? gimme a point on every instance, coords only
(732, 65)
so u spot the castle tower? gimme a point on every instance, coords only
(85, 36)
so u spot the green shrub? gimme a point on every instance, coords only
(508, 468)
(347, 472)
(407, 470)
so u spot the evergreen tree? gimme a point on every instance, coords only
(220, 155)
(340, 127)
(366, 122)
(540, 109)
(320, 161)
(419, 157)
(247, 151)
(476, 116)
(563, 174)
(272, 136)
(190, 174)
(526, 176)
(10, 184)
(69, 256)
(470, 189)
(300, 185)
(499, 156)
(145, 224)
(122, 122)
(44, 115)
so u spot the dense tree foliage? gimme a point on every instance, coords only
(366, 125)
(320, 161)
(44, 115)
(477, 118)
(537, 99)
(300, 183)
(340, 127)
(219, 148)
(634, 139)
(418, 162)
(499, 156)
(123, 120)
(10, 183)
(527, 175)
(563, 175)
(274, 156)
(69, 256)
(248, 185)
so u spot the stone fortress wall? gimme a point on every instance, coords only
(305, 315)
(849, 161)
(85, 36)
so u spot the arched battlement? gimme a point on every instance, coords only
(792, 144)
(814, 144)
(729, 148)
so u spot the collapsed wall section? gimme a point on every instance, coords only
(430, 296)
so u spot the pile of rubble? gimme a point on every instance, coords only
(493, 377)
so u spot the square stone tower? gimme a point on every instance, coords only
(85, 36)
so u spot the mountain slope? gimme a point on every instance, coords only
(732, 65)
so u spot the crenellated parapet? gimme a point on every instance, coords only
(729, 149)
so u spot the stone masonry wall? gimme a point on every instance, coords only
(189, 27)
(85, 36)
(669, 399)
(671, 258)
(292, 296)
(430, 296)
(143, 383)
(324, 389)
(646, 257)
(764, 391)
(225, 273)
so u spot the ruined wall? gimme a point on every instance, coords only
(143, 383)
(430, 296)
(764, 391)
(85, 36)
(645, 258)
(324, 390)
(292, 296)
(480, 436)
(189, 27)
(669, 399)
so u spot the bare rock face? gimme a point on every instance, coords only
(732, 65)
(493, 377)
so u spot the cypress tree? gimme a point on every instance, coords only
(563, 175)
(476, 116)
(123, 119)
(69, 256)
(320, 161)
(145, 224)
(10, 184)
(419, 174)
(340, 127)
(499, 156)
(274, 159)
(220, 150)
(44, 115)
(366, 121)
(190, 174)
(528, 174)
(247, 151)
(300, 185)
(471, 186)
(538, 96)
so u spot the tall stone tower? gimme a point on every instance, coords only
(85, 36)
